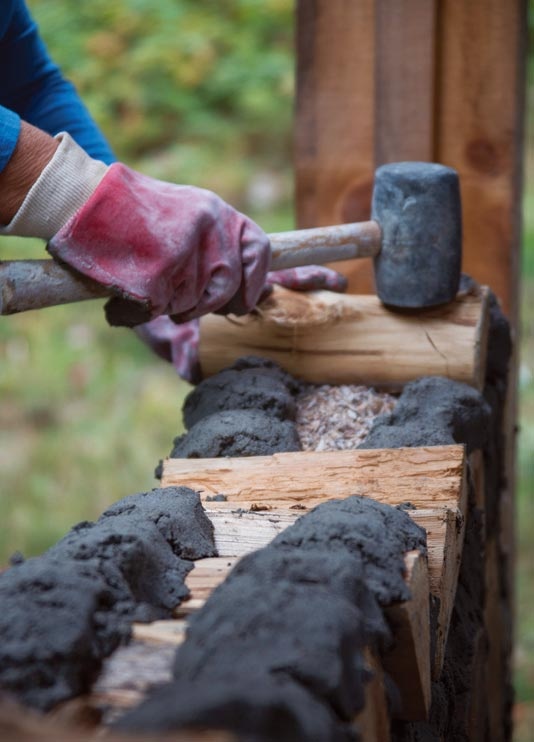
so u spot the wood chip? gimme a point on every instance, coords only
(336, 418)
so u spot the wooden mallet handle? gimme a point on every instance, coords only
(35, 284)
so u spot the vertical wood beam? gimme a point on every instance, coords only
(385, 80)
(365, 96)
(405, 56)
(334, 131)
(479, 127)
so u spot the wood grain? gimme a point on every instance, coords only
(405, 60)
(445, 538)
(329, 338)
(409, 660)
(480, 84)
(262, 490)
(334, 121)
(425, 477)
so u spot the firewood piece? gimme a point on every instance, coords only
(409, 661)
(445, 534)
(373, 721)
(240, 531)
(328, 338)
(432, 479)
(160, 632)
(425, 477)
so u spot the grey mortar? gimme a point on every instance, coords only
(237, 433)
(377, 532)
(247, 409)
(63, 612)
(433, 411)
(178, 515)
(239, 390)
(269, 368)
(300, 611)
(266, 709)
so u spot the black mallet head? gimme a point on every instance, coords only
(418, 208)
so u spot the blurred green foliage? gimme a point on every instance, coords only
(86, 412)
(202, 85)
(524, 651)
(192, 91)
(530, 39)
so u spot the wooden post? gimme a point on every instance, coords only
(334, 133)
(405, 56)
(479, 121)
(386, 80)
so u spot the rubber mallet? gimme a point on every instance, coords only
(414, 236)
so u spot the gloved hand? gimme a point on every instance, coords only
(178, 344)
(309, 278)
(160, 248)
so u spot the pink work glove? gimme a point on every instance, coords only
(308, 278)
(164, 249)
(178, 344)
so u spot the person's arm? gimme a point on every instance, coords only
(32, 86)
(33, 151)
(159, 248)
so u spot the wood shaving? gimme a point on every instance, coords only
(337, 418)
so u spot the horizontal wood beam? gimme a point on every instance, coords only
(323, 337)
(425, 477)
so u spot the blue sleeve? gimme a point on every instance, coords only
(9, 134)
(33, 88)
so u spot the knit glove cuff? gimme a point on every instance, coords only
(65, 184)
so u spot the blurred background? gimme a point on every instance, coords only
(196, 92)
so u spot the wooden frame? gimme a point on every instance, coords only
(388, 80)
